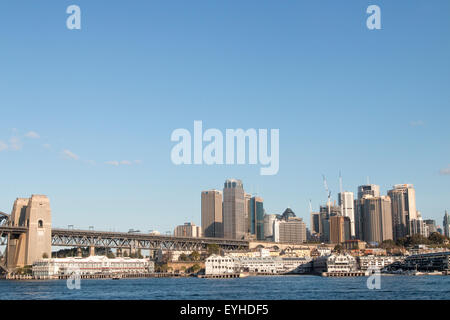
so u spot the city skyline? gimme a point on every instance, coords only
(305, 216)
(87, 114)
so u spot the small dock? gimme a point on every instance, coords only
(344, 274)
(238, 275)
(126, 275)
(219, 276)
(99, 276)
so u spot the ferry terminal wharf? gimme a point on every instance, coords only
(99, 276)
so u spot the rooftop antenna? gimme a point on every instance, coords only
(368, 180)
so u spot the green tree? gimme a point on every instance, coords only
(183, 257)
(213, 249)
(161, 267)
(413, 240)
(45, 255)
(388, 244)
(195, 256)
(401, 242)
(436, 238)
(338, 248)
(195, 268)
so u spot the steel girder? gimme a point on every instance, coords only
(82, 238)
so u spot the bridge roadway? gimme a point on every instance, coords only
(104, 239)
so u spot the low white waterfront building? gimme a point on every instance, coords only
(263, 264)
(47, 268)
(216, 264)
(377, 262)
(259, 264)
(296, 264)
(335, 263)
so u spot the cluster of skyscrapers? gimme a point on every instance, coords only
(235, 214)
(371, 217)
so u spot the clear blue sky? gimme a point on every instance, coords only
(368, 103)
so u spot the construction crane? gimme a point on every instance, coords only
(328, 193)
(341, 197)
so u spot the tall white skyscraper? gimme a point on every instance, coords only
(404, 211)
(346, 202)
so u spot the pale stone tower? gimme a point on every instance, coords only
(39, 223)
(34, 214)
(17, 243)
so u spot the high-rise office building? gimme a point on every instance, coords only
(269, 220)
(446, 225)
(256, 217)
(247, 198)
(359, 208)
(234, 210)
(346, 202)
(326, 212)
(339, 229)
(403, 198)
(364, 191)
(315, 222)
(418, 226)
(431, 225)
(377, 219)
(212, 217)
(289, 228)
(368, 189)
(188, 229)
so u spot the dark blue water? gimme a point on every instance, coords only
(272, 287)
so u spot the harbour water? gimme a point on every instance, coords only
(260, 287)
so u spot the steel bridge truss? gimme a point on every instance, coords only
(4, 222)
(82, 238)
(102, 239)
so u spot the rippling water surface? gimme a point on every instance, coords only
(272, 287)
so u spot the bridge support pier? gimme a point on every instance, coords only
(36, 243)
